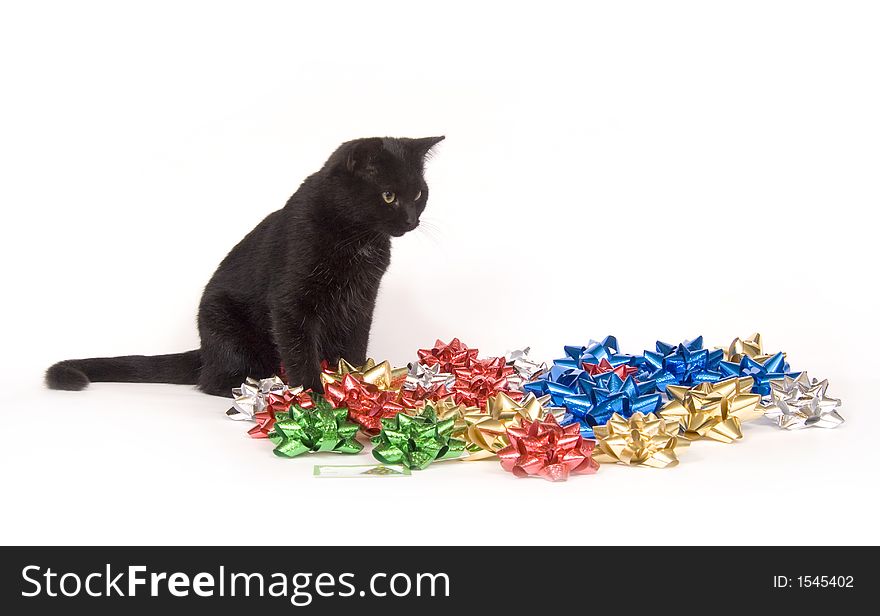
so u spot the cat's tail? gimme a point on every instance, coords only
(76, 374)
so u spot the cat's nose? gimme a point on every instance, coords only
(412, 219)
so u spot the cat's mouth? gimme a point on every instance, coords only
(403, 229)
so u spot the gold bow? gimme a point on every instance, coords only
(447, 408)
(486, 432)
(750, 347)
(382, 375)
(641, 440)
(713, 410)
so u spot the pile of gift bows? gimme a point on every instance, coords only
(594, 405)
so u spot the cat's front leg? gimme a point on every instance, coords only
(353, 345)
(296, 338)
(353, 334)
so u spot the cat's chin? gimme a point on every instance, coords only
(400, 231)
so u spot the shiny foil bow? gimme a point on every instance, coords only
(416, 440)
(641, 440)
(486, 432)
(260, 399)
(448, 408)
(428, 378)
(607, 395)
(448, 357)
(416, 398)
(266, 418)
(604, 366)
(380, 375)
(523, 366)
(543, 448)
(748, 347)
(425, 383)
(320, 428)
(367, 404)
(252, 397)
(592, 400)
(594, 353)
(593, 382)
(559, 383)
(484, 378)
(798, 402)
(713, 410)
(774, 367)
(687, 364)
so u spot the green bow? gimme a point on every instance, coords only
(416, 441)
(322, 428)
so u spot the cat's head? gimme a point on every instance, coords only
(384, 181)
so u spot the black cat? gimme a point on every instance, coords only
(300, 287)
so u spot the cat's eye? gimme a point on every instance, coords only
(418, 196)
(388, 196)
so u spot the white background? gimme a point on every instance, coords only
(652, 170)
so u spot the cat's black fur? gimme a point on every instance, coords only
(300, 287)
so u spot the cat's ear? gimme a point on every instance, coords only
(422, 147)
(361, 155)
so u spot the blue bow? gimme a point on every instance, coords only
(566, 376)
(595, 352)
(592, 400)
(606, 395)
(687, 363)
(774, 367)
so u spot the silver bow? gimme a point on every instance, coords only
(527, 369)
(800, 402)
(427, 377)
(250, 398)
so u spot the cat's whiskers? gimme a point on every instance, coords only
(429, 230)
(431, 226)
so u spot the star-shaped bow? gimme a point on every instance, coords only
(486, 432)
(747, 347)
(367, 404)
(449, 357)
(428, 377)
(545, 449)
(641, 440)
(417, 441)
(593, 353)
(687, 363)
(774, 367)
(798, 402)
(254, 396)
(484, 378)
(261, 400)
(319, 428)
(381, 374)
(526, 368)
(604, 366)
(713, 410)
(606, 395)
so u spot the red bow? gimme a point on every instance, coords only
(545, 449)
(366, 403)
(481, 380)
(450, 356)
(604, 366)
(415, 398)
(278, 403)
